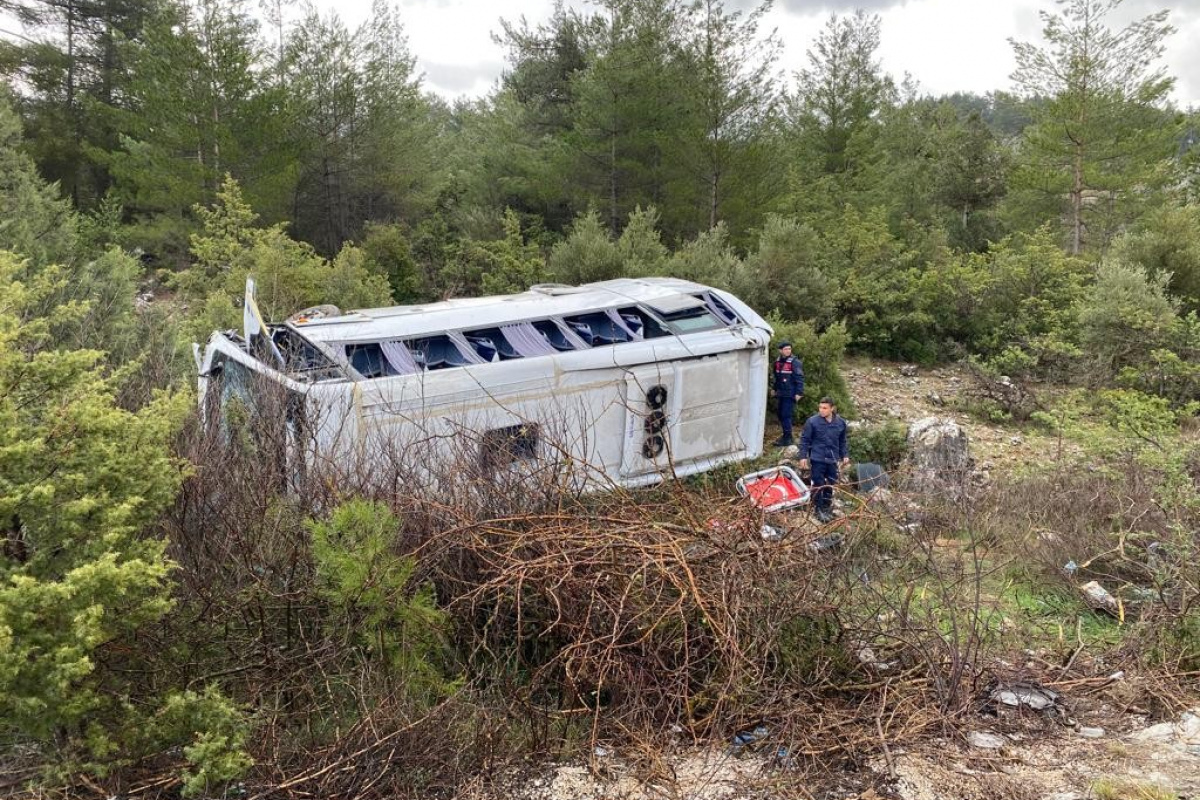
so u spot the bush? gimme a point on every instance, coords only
(1123, 318)
(883, 444)
(587, 254)
(784, 274)
(821, 355)
(81, 479)
(368, 588)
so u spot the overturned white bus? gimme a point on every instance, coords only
(630, 380)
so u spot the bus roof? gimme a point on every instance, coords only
(543, 301)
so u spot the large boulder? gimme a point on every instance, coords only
(939, 456)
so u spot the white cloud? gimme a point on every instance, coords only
(946, 45)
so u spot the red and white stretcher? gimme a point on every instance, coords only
(774, 489)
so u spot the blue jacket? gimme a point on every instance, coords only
(789, 377)
(824, 441)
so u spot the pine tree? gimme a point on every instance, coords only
(1101, 139)
(732, 101)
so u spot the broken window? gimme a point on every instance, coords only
(600, 328)
(692, 320)
(720, 308)
(399, 358)
(521, 340)
(527, 340)
(302, 360)
(642, 323)
(560, 337)
(506, 445)
(442, 352)
(368, 360)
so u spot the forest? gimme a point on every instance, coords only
(171, 624)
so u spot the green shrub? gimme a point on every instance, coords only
(821, 355)
(883, 444)
(367, 585)
(216, 733)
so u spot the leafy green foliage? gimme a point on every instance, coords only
(369, 588)
(1125, 316)
(216, 733)
(821, 353)
(883, 444)
(290, 274)
(785, 273)
(81, 480)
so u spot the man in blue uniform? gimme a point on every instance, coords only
(789, 387)
(823, 449)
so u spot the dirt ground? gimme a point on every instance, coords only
(881, 393)
(1039, 760)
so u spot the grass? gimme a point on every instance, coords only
(1115, 789)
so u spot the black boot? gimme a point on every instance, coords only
(782, 441)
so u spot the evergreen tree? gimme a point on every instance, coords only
(364, 135)
(731, 102)
(73, 66)
(1101, 140)
(839, 96)
(629, 108)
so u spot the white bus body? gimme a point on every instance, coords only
(633, 380)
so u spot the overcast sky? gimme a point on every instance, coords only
(946, 45)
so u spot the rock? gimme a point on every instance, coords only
(790, 453)
(1014, 440)
(939, 458)
(1162, 732)
(1038, 698)
(1098, 598)
(894, 412)
(985, 740)
(935, 399)
(879, 495)
(908, 370)
(1185, 732)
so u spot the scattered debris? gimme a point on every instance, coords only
(774, 489)
(935, 399)
(770, 533)
(323, 311)
(825, 544)
(908, 370)
(747, 739)
(1090, 733)
(1029, 695)
(986, 740)
(790, 453)
(867, 658)
(871, 476)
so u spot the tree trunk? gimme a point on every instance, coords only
(1077, 202)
